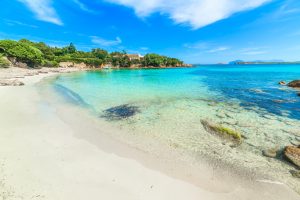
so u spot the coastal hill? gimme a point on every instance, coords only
(262, 62)
(25, 53)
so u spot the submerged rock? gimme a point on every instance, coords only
(121, 112)
(295, 174)
(295, 143)
(294, 84)
(222, 132)
(293, 154)
(277, 100)
(259, 91)
(282, 83)
(271, 153)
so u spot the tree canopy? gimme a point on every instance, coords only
(41, 54)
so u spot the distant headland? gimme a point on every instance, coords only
(262, 62)
(25, 53)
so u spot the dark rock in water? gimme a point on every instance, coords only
(282, 83)
(294, 84)
(293, 155)
(295, 174)
(298, 94)
(121, 112)
(271, 153)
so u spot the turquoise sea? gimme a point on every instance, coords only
(168, 104)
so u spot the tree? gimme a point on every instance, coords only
(23, 52)
(69, 49)
(100, 53)
(154, 60)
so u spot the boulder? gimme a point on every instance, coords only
(292, 154)
(294, 84)
(282, 83)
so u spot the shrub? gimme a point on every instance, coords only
(3, 62)
(22, 51)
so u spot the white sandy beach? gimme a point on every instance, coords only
(45, 156)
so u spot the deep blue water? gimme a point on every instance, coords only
(255, 85)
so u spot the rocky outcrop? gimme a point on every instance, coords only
(294, 84)
(72, 64)
(14, 62)
(292, 154)
(11, 83)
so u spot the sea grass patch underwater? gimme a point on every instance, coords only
(120, 112)
(223, 132)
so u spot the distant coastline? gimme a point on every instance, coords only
(240, 62)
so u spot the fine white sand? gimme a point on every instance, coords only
(43, 156)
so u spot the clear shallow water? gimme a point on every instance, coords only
(168, 104)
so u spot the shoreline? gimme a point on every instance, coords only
(78, 144)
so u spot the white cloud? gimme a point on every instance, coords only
(104, 42)
(218, 49)
(83, 6)
(43, 10)
(196, 13)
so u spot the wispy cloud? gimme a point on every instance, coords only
(204, 46)
(104, 42)
(82, 6)
(218, 49)
(196, 13)
(197, 45)
(254, 51)
(43, 10)
(14, 22)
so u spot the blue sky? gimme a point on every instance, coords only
(196, 31)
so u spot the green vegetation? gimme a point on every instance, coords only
(36, 54)
(228, 132)
(222, 131)
(156, 60)
(3, 62)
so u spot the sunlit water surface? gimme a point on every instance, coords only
(168, 104)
